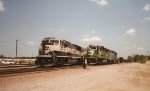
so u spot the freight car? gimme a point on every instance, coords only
(98, 54)
(58, 52)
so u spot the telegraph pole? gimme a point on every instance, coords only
(147, 52)
(16, 47)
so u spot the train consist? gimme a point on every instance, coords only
(59, 52)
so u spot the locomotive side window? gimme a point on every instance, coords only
(45, 41)
(51, 42)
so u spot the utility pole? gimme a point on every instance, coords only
(147, 52)
(16, 47)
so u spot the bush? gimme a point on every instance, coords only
(140, 58)
(143, 61)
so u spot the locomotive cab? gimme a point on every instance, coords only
(49, 45)
(92, 51)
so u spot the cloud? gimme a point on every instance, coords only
(131, 32)
(147, 18)
(24, 25)
(89, 38)
(131, 47)
(140, 48)
(62, 30)
(147, 7)
(93, 31)
(142, 21)
(135, 47)
(2, 6)
(127, 48)
(100, 2)
(30, 43)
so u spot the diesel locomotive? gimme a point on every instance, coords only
(58, 52)
(99, 54)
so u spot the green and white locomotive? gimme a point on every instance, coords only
(98, 54)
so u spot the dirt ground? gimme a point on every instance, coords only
(116, 77)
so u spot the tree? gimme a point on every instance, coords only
(1, 56)
(148, 57)
(136, 58)
(121, 59)
(142, 57)
(130, 59)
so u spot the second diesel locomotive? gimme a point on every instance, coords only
(98, 54)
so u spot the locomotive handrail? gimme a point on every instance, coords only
(54, 55)
(44, 56)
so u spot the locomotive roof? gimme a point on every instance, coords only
(66, 42)
(102, 47)
(77, 45)
(49, 38)
(96, 46)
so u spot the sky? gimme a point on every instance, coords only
(120, 25)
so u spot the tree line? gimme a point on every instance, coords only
(2, 56)
(139, 58)
(135, 58)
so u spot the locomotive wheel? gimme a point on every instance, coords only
(41, 63)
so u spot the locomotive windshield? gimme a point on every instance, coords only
(51, 42)
(93, 47)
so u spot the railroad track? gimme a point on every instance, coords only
(9, 70)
